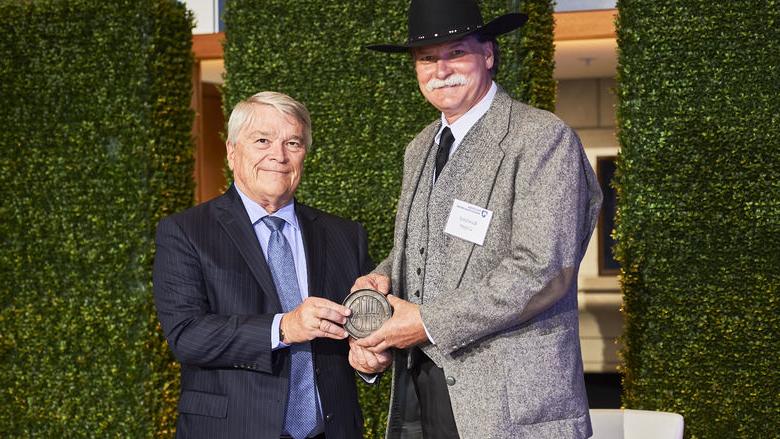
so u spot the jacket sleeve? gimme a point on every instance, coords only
(198, 336)
(553, 212)
(385, 267)
(366, 264)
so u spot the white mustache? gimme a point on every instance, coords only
(456, 79)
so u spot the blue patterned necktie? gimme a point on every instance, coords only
(300, 418)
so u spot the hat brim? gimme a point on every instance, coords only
(500, 25)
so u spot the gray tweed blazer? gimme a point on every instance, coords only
(504, 314)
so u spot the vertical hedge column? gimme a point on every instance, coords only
(365, 105)
(96, 147)
(699, 211)
(530, 55)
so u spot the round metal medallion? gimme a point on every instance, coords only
(370, 309)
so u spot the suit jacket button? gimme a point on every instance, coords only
(317, 371)
(417, 293)
(329, 417)
(450, 381)
(422, 250)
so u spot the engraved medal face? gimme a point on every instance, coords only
(370, 309)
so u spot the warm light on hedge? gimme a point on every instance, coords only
(96, 148)
(699, 212)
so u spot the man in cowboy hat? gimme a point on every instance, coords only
(498, 203)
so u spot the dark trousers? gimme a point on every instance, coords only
(436, 416)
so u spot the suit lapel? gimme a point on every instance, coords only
(314, 246)
(470, 176)
(232, 215)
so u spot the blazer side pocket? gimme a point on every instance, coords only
(544, 381)
(202, 403)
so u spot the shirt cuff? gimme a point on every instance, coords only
(275, 342)
(428, 334)
(368, 378)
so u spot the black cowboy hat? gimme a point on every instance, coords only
(438, 21)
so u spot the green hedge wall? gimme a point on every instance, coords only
(530, 55)
(365, 105)
(96, 148)
(699, 211)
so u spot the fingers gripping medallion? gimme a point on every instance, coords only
(370, 309)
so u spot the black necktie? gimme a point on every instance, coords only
(443, 153)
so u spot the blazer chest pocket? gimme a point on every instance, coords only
(202, 403)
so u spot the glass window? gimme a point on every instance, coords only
(583, 5)
(220, 11)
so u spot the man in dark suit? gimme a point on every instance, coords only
(248, 289)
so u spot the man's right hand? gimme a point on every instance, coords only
(315, 317)
(372, 281)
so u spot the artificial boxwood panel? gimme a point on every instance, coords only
(529, 56)
(699, 212)
(365, 105)
(96, 148)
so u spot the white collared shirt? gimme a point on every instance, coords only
(464, 123)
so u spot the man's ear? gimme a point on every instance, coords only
(230, 148)
(487, 50)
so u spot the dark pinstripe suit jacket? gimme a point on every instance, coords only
(216, 299)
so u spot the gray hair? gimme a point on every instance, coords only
(243, 111)
(496, 52)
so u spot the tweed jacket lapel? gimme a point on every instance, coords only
(469, 176)
(232, 215)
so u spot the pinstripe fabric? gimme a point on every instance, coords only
(215, 299)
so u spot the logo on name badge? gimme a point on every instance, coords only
(468, 222)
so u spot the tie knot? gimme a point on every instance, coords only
(273, 222)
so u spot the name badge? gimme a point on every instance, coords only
(468, 221)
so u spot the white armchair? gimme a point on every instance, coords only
(635, 424)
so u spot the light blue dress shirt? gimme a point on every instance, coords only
(291, 232)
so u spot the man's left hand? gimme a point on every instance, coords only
(363, 360)
(404, 329)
